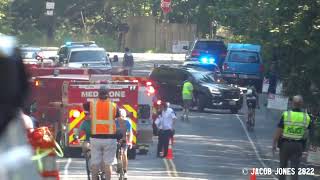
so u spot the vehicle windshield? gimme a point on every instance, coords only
(87, 56)
(244, 57)
(207, 78)
(209, 45)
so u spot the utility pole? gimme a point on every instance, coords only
(50, 4)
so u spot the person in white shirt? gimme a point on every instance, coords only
(27, 121)
(165, 124)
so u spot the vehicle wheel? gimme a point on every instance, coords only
(132, 153)
(200, 102)
(234, 111)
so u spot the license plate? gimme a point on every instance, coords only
(232, 102)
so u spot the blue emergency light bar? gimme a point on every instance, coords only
(244, 47)
(207, 60)
(80, 43)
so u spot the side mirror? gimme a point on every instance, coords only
(185, 47)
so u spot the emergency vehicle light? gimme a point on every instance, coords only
(150, 90)
(76, 113)
(206, 60)
(149, 83)
(37, 83)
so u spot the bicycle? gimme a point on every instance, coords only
(87, 155)
(119, 166)
(251, 103)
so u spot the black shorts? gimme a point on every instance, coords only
(187, 103)
(252, 103)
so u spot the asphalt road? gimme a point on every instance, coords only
(214, 145)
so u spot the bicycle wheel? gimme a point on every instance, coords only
(88, 159)
(249, 119)
(119, 166)
(253, 118)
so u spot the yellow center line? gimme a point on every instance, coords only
(167, 167)
(171, 168)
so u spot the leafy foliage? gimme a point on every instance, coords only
(289, 31)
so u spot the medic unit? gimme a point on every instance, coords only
(59, 92)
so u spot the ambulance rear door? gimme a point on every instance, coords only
(125, 95)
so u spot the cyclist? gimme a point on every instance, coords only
(123, 124)
(252, 103)
(86, 127)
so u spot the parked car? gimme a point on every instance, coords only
(87, 57)
(208, 92)
(244, 65)
(48, 52)
(66, 48)
(206, 52)
(29, 53)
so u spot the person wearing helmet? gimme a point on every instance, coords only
(252, 100)
(291, 135)
(124, 128)
(14, 91)
(103, 137)
(86, 128)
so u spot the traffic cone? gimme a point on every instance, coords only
(170, 151)
(45, 156)
(253, 175)
(50, 170)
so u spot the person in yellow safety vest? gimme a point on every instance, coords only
(291, 136)
(187, 96)
(103, 137)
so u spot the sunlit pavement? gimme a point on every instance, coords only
(213, 145)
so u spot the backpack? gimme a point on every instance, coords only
(128, 59)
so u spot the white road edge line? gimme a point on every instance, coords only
(66, 167)
(174, 169)
(253, 146)
(167, 167)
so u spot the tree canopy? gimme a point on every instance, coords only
(289, 31)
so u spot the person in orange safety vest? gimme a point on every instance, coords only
(103, 137)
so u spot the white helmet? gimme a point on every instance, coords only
(249, 92)
(123, 112)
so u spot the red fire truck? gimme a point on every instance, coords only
(58, 102)
(39, 70)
